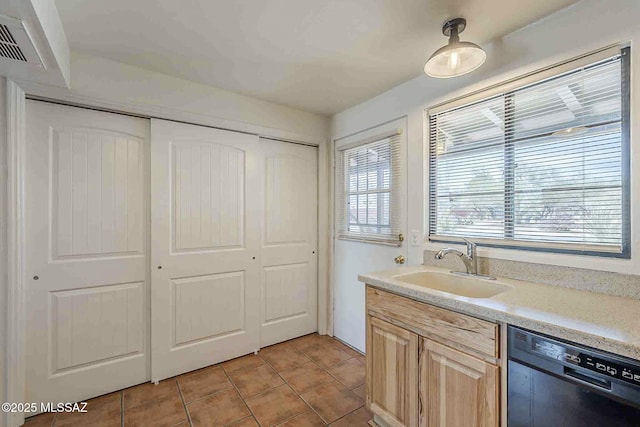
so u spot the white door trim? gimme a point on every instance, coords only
(15, 355)
(17, 92)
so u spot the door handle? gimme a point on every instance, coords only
(399, 259)
(585, 378)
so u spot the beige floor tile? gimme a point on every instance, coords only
(168, 411)
(283, 357)
(255, 380)
(332, 401)
(244, 362)
(358, 418)
(218, 410)
(212, 400)
(107, 402)
(350, 373)
(246, 422)
(305, 377)
(307, 419)
(101, 411)
(326, 355)
(361, 391)
(284, 344)
(276, 405)
(308, 341)
(204, 382)
(41, 420)
(343, 347)
(93, 419)
(147, 392)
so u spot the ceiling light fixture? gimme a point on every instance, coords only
(456, 58)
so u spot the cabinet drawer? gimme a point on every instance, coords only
(434, 322)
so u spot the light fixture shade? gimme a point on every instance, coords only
(456, 58)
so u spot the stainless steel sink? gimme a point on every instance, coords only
(466, 286)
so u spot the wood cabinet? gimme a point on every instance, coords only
(428, 366)
(456, 389)
(446, 326)
(392, 364)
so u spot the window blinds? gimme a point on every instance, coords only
(368, 197)
(545, 165)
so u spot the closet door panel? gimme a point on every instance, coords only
(205, 246)
(289, 241)
(87, 300)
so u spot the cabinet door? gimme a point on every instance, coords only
(392, 373)
(456, 390)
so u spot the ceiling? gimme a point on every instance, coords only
(319, 56)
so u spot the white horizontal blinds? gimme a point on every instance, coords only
(541, 164)
(467, 170)
(568, 185)
(368, 198)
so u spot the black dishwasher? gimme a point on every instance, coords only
(557, 383)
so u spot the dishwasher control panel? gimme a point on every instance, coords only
(590, 360)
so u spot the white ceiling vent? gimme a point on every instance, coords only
(16, 43)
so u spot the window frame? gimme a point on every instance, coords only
(507, 90)
(393, 131)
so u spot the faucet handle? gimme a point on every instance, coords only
(468, 242)
(471, 247)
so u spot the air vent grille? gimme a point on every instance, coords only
(5, 34)
(8, 46)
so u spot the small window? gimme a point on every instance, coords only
(367, 196)
(543, 165)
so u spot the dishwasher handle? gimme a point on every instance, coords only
(586, 378)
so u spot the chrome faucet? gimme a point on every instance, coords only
(470, 259)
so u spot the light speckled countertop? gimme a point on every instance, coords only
(605, 322)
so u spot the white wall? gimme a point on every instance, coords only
(581, 28)
(114, 85)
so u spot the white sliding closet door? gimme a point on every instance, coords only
(289, 241)
(86, 245)
(205, 192)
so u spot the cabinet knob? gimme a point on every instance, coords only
(399, 259)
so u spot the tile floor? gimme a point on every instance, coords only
(309, 381)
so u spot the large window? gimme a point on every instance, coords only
(541, 165)
(368, 197)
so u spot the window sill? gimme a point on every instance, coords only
(394, 243)
(585, 250)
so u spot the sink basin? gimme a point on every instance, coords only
(465, 286)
